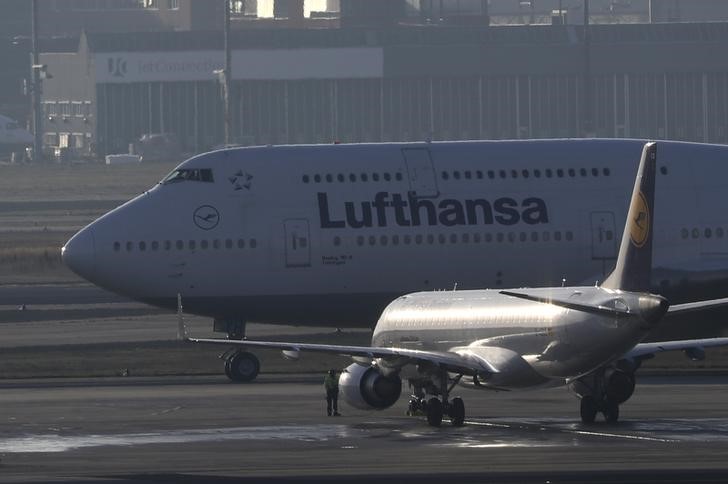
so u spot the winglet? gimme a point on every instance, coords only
(634, 263)
(181, 328)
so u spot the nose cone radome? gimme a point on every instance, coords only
(79, 254)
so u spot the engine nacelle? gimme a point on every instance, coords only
(365, 388)
(619, 386)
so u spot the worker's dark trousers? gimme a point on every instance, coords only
(332, 400)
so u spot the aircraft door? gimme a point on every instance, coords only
(604, 239)
(421, 173)
(297, 243)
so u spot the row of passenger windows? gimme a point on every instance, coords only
(465, 238)
(155, 245)
(707, 233)
(513, 173)
(352, 177)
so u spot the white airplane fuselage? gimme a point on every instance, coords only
(544, 344)
(331, 234)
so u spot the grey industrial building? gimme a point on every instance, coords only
(352, 85)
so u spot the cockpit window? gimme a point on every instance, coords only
(189, 174)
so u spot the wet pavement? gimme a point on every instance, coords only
(181, 429)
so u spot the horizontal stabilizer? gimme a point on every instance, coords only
(587, 308)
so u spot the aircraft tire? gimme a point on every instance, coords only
(243, 367)
(611, 412)
(588, 409)
(434, 412)
(457, 412)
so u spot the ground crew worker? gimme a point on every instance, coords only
(331, 384)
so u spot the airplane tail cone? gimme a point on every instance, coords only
(634, 263)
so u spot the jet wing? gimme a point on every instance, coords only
(697, 306)
(451, 362)
(696, 346)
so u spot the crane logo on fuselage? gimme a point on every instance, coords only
(408, 211)
(206, 217)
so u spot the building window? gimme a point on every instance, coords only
(174, 4)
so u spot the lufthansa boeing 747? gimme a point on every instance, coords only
(328, 235)
(517, 339)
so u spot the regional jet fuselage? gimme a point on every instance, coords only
(330, 234)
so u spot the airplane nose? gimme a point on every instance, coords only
(79, 254)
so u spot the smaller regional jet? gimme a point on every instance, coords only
(517, 339)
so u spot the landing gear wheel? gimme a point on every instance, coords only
(611, 412)
(242, 367)
(457, 412)
(434, 412)
(588, 409)
(414, 406)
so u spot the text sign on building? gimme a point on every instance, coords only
(253, 64)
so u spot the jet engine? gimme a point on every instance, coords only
(619, 386)
(366, 388)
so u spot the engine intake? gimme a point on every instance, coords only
(365, 388)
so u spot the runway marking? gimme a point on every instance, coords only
(527, 426)
(53, 443)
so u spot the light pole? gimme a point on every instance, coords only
(36, 88)
(227, 74)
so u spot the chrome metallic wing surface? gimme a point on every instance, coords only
(646, 349)
(451, 362)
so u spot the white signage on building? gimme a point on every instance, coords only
(249, 64)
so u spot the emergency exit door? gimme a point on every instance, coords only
(420, 171)
(298, 243)
(604, 238)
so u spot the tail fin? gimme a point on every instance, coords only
(634, 263)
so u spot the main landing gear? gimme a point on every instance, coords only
(435, 408)
(603, 392)
(240, 366)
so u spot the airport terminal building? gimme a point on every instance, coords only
(391, 84)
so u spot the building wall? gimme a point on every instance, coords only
(501, 84)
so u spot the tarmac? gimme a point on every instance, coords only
(204, 429)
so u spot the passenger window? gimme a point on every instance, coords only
(684, 233)
(499, 237)
(398, 176)
(395, 240)
(340, 177)
(572, 172)
(456, 175)
(491, 174)
(418, 239)
(466, 238)
(444, 175)
(696, 233)
(560, 173)
(537, 173)
(525, 173)
(595, 172)
(117, 246)
(375, 177)
(476, 238)
(204, 244)
(360, 240)
(364, 177)
(352, 178)
(569, 236)
(479, 174)
(502, 173)
(557, 236)
(511, 237)
(155, 245)
(306, 179)
(546, 236)
(383, 240)
(534, 236)
(215, 244)
(254, 243)
(167, 245)
(663, 170)
(142, 246)
(180, 245)
(129, 246)
(468, 175)
(514, 174)
(191, 244)
(228, 244)
(708, 233)
(329, 178)
(582, 172)
(453, 238)
(387, 177)
(317, 178)
(430, 239)
(241, 244)
(606, 172)
(407, 239)
(719, 232)
(372, 240)
(549, 173)
(441, 238)
(337, 241)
